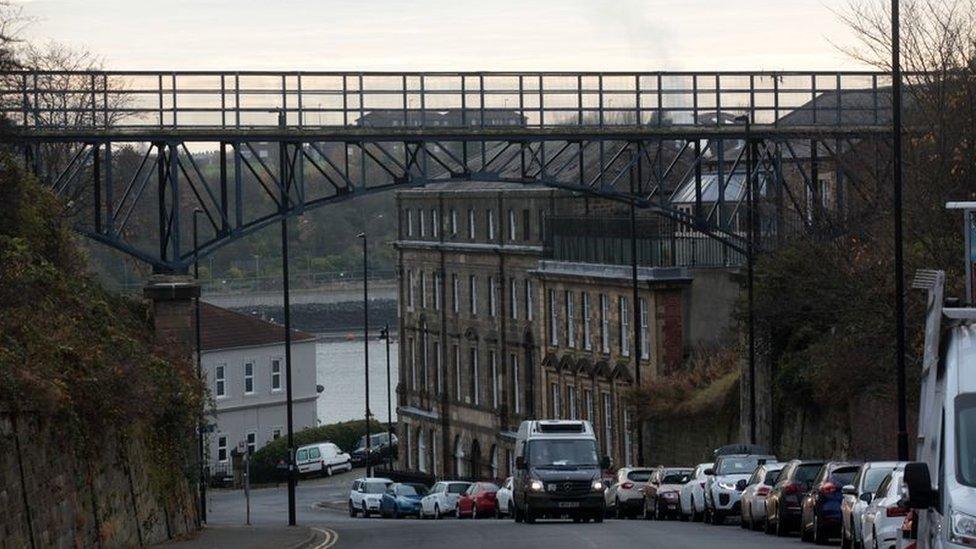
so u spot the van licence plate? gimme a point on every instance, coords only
(568, 504)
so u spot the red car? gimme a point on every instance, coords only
(478, 501)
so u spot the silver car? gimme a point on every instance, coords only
(857, 495)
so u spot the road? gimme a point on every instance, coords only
(269, 506)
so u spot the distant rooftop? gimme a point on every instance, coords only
(225, 329)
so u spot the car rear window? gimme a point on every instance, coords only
(807, 472)
(676, 478)
(771, 477)
(457, 488)
(639, 476)
(844, 476)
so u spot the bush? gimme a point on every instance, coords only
(345, 435)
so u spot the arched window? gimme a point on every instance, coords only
(421, 451)
(458, 457)
(494, 462)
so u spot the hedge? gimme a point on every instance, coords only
(345, 435)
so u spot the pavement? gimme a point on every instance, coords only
(321, 507)
(256, 537)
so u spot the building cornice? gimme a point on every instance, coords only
(469, 247)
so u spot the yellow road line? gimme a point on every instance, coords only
(331, 538)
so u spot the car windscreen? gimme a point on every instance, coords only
(966, 439)
(562, 453)
(807, 472)
(374, 487)
(411, 490)
(738, 465)
(489, 487)
(873, 478)
(301, 455)
(676, 478)
(457, 488)
(642, 475)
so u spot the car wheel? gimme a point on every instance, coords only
(598, 518)
(781, 530)
(395, 513)
(529, 517)
(511, 509)
(328, 471)
(718, 519)
(352, 509)
(845, 540)
(437, 511)
(365, 511)
(474, 511)
(819, 534)
(617, 511)
(516, 513)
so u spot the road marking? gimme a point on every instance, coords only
(331, 538)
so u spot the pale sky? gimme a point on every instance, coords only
(464, 35)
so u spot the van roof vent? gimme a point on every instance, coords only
(561, 427)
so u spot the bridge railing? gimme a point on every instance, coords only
(310, 100)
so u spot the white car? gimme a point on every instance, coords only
(661, 492)
(857, 495)
(692, 495)
(883, 517)
(752, 504)
(366, 494)
(624, 496)
(724, 486)
(442, 498)
(323, 458)
(504, 505)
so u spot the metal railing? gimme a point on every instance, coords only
(247, 100)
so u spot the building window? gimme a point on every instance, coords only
(628, 448)
(624, 326)
(528, 300)
(470, 224)
(554, 404)
(604, 323)
(493, 364)
(492, 297)
(473, 295)
(587, 336)
(553, 330)
(409, 222)
(252, 443)
(248, 378)
(571, 401)
(437, 291)
(437, 367)
(435, 223)
(511, 225)
(275, 374)
(588, 405)
(411, 364)
(453, 222)
(607, 424)
(424, 382)
(421, 451)
(526, 231)
(490, 220)
(222, 449)
(475, 382)
(455, 294)
(423, 290)
(423, 223)
(645, 348)
(276, 433)
(457, 372)
(570, 320)
(513, 298)
(516, 396)
(542, 223)
(220, 381)
(410, 289)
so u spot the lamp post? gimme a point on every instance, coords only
(366, 349)
(750, 273)
(899, 252)
(385, 335)
(286, 302)
(196, 313)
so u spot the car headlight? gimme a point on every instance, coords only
(536, 486)
(726, 485)
(963, 528)
(598, 485)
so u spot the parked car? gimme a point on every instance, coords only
(402, 499)
(882, 519)
(478, 501)
(503, 498)
(323, 458)
(381, 447)
(624, 495)
(753, 500)
(661, 493)
(442, 498)
(692, 495)
(857, 495)
(783, 503)
(726, 481)
(820, 517)
(366, 494)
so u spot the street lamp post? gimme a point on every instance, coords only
(385, 335)
(366, 349)
(196, 313)
(750, 274)
(899, 247)
(286, 302)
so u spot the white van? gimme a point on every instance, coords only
(941, 486)
(323, 458)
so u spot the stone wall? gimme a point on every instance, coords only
(53, 496)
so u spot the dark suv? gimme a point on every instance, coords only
(381, 447)
(784, 502)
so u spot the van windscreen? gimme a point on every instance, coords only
(560, 427)
(562, 453)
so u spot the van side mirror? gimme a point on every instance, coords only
(605, 462)
(849, 490)
(520, 463)
(709, 472)
(919, 483)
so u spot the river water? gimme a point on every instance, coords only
(340, 371)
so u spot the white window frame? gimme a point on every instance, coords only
(588, 405)
(516, 398)
(249, 377)
(437, 290)
(553, 328)
(276, 432)
(276, 375)
(220, 380)
(409, 222)
(424, 374)
(457, 372)
(513, 298)
(492, 297)
(511, 225)
(608, 422)
(605, 323)
(471, 224)
(570, 319)
(455, 293)
(454, 222)
(529, 313)
(473, 295)
(490, 220)
(251, 443)
(623, 309)
(587, 336)
(434, 223)
(554, 395)
(221, 448)
(423, 223)
(423, 290)
(645, 347)
(475, 381)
